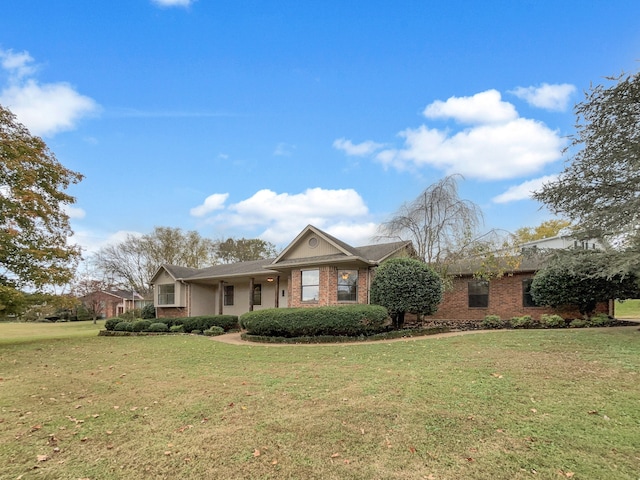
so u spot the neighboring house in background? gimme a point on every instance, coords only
(561, 241)
(112, 303)
(315, 269)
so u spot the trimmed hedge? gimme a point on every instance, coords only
(141, 325)
(203, 322)
(158, 327)
(348, 320)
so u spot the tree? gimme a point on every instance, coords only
(599, 188)
(578, 279)
(404, 285)
(244, 249)
(12, 302)
(438, 222)
(34, 228)
(547, 229)
(133, 262)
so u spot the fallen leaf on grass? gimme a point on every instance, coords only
(412, 449)
(496, 375)
(256, 453)
(566, 474)
(43, 458)
(167, 453)
(335, 455)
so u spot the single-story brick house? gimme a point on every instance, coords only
(317, 269)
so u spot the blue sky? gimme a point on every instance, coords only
(246, 118)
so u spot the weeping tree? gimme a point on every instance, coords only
(437, 221)
(406, 285)
(445, 230)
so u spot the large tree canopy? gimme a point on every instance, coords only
(599, 189)
(244, 249)
(34, 227)
(546, 229)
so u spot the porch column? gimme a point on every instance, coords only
(220, 296)
(251, 294)
(276, 303)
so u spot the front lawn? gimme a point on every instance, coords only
(502, 405)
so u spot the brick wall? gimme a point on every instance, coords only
(170, 312)
(328, 294)
(505, 300)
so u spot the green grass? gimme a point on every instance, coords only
(503, 405)
(12, 332)
(628, 309)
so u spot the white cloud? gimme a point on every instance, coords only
(173, 3)
(360, 149)
(17, 64)
(497, 144)
(281, 216)
(92, 241)
(549, 97)
(211, 203)
(490, 152)
(483, 107)
(283, 150)
(74, 212)
(45, 109)
(524, 190)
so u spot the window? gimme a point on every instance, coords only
(347, 285)
(527, 299)
(228, 294)
(478, 294)
(166, 294)
(310, 285)
(257, 294)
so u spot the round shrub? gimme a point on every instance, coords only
(552, 321)
(600, 320)
(492, 321)
(522, 322)
(176, 329)
(123, 327)
(141, 325)
(348, 320)
(214, 331)
(110, 324)
(579, 323)
(158, 327)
